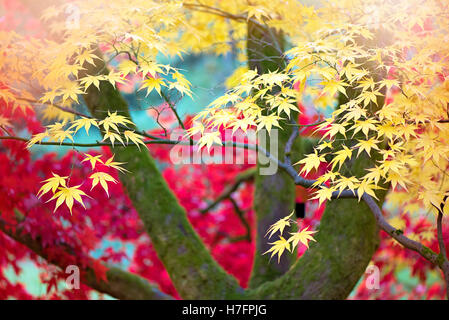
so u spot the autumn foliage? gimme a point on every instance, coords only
(367, 99)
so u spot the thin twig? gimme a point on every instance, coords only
(289, 144)
(241, 216)
(440, 234)
(227, 192)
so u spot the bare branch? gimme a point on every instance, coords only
(241, 216)
(289, 144)
(440, 234)
(120, 283)
(227, 192)
(68, 110)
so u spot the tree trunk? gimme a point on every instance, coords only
(274, 196)
(195, 274)
(348, 234)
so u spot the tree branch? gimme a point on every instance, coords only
(440, 234)
(64, 109)
(148, 142)
(406, 242)
(241, 216)
(120, 284)
(375, 209)
(227, 192)
(439, 260)
(289, 145)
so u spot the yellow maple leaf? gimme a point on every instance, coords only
(311, 161)
(92, 159)
(345, 183)
(89, 80)
(71, 91)
(114, 77)
(278, 247)
(272, 78)
(112, 136)
(209, 138)
(334, 129)
(134, 137)
(365, 126)
(323, 194)
(368, 96)
(84, 122)
(324, 145)
(366, 83)
(334, 86)
(387, 130)
(286, 105)
(152, 69)
(181, 84)
(113, 119)
(389, 83)
(279, 226)
(52, 184)
(102, 178)
(68, 195)
(341, 156)
(113, 164)
(367, 145)
(153, 84)
(368, 188)
(126, 67)
(374, 175)
(37, 138)
(303, 236)
(86, 56)
(268, 122)
(61, 135)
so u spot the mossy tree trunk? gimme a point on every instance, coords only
(348, 234)
(274, 196)
(195, 274)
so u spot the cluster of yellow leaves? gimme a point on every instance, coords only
(62, 193)
(114, 126)
(242, 107)
(279, 246)
(57, 132)
(404, 137)
(57, 72)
